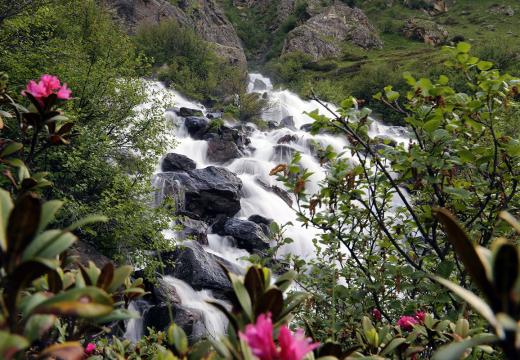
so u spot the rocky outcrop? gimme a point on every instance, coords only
(206, 192)
(177, 162)
(321, 36)
(204, 16)
(247, 234)
(201, 270)
(426, 31)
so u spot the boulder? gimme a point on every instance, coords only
(200, 269)
(321, 36)
(426, 31)
(196, 126)
(205, 192)
(282, 194)
(193, 229)
(221, 151)
(86, 252)
(247, 234)
(164, 292)
(190, 320)
(185, 112)
(289, 138)
(177, 162)
(283, 153)
(259, 85)
(288, 122)
(259, 219)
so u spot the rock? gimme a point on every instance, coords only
(206, 192)
(433, 7)
(221, 151)
(193, 229)
(164, 292)
(259, 219)
(306, 127)
(288, 122)
(506, 10)
(386, 140)
(185, 112)
(271, 125)
(321, 36)
(259, 85)
(289, 138)
(200, 269)
(283, 153)
(86, 252)
(196, 126)
(282, 194)
(190, 320)
(248, 235)
(214, 115)
(427, 31)
(177, 162)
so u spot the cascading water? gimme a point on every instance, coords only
(266, 151)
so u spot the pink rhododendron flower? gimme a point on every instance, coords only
(90, 348)
(420, 316)
(294, 346)
(47, 86)
(259, 337)
(376, 314)
(407, 322)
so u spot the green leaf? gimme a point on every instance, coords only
(49, 244)
(11, 149)
(6, 205)
(118, 315)
(38, 325)
(455, 350)
(11, 344)
(178, 339)
(49, 210)
(23, 223)
(392, 345)
(484, 65)
(463, 47)
(120, 275)
(242, 296)
(85, 221)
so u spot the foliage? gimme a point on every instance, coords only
(251, 106)
(380, 235)
(41, 297)
(188, 62)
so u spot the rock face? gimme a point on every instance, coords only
(321, 36)
(425, 30)
(199, 269)
(207, 192)
(248, 235)
(221, 151)
(177, 162)
(204, 16)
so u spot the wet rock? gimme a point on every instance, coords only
(286, 139)
(206, 192)
(283, 153)
(164, 292)
(259, 85)
(200, 269)
(288, 122)
(259, 219)
(426, 31)
(282, 194)
(185, 112)
(322, 35)
(177, 162)
(247, 234)
(271, 125)
(221, 151)
(214, 115)
(193, 229)
(190, 320)
(306, 127)
(196, 126)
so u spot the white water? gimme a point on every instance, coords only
(256, 166)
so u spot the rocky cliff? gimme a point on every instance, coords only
(204, 16)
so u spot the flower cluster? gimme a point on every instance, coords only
(292, 346)
(47, 86)
(407, 322)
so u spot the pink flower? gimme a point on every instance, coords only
(294, 346)
(259, 337)
(47, 86)
(407, 322)
(376, 314)
(90, 348)
(420, 316)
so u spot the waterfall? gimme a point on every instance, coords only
(268, 149)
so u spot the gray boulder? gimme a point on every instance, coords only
(247, 234)
(193, 229)
(288, 122)
(205, 192)
(190, 320)
(221, 151)
(177, 162)
(196, 126)
(321, 36)
(283, 153)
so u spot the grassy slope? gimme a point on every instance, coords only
(361, 73)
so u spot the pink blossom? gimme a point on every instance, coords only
(420, 316)
(376, 314)
(47, 86)
(259, 337)
(294, 346)
(407, 322)
(90, 348)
